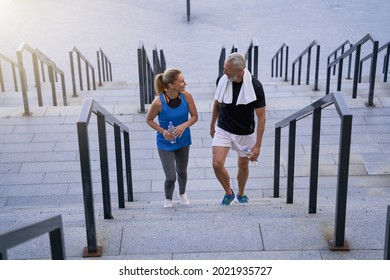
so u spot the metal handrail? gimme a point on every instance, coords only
(88, 65)
(252, 57)
(334, 56)
(53, 70)
(385, 62)
(275, 62)
(357, 50)
(24, 233)
(387, 235)
(343, 163)
(147, 73)
(103, 116)
(104, 67)
(14, 65)
(299, 60)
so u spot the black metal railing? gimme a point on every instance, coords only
(385, 62)
(103, 117)
(53, 71)
(147, 73)
(24, 233)
(252, 57)
(357, 50)
(222, 58)
(88, 66)
(277, 62)
(299, 59)
(343, 163)
(104, 67)
(334, 56)
(14, 65)
(387, 235)
(188, 9)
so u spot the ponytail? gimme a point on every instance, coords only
(162, 80)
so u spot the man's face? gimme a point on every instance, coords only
(233, 74)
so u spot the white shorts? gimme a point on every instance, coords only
(236, 142)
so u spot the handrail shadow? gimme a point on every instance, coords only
(88, 65)
(343, 163)
(103, 116)
(280, 53)
(308, 67)
(14, 65)
(53, 70)
(24, 233)
(357, 50)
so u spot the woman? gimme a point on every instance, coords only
(173, 104)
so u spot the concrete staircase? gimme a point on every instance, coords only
(40, 173)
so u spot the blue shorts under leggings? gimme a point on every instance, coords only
(174, 162)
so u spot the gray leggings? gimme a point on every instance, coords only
(172, 162)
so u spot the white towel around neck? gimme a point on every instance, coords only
(224, 91)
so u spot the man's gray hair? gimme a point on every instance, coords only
(237, 59)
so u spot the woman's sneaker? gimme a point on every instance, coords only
(228, 199)
(242, 198)
(168, 203)
(184, 199)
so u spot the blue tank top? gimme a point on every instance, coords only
(178, 116)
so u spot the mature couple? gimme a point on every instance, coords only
(239, 97)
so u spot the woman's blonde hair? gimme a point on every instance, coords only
(162, 80)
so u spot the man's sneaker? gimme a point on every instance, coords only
(184, 199)
(168, 203)
(242, 198)
(228, 199)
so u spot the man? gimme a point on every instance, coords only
(238, 98)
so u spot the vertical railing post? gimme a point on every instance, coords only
(315, 151)
(299, 70)
(356, 72)
(291, 161)
(374, 60)
(80, 71)
(126, 138)
(72, 72)
(53, 84)
(256, 61)
(340, 74)
(23, 82)
(104, 171)
(82, 132)
(2, 88)
(188, 10)
(317, 70)
(98, 63)
(119, 166)
(277, 161)
(64, 89)
(286, 67)
(37, 79)
(141, 77)
(342, 184)
(387, 235)
(308, 66)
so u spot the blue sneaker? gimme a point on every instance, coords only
(242, 198)
(228, 199)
